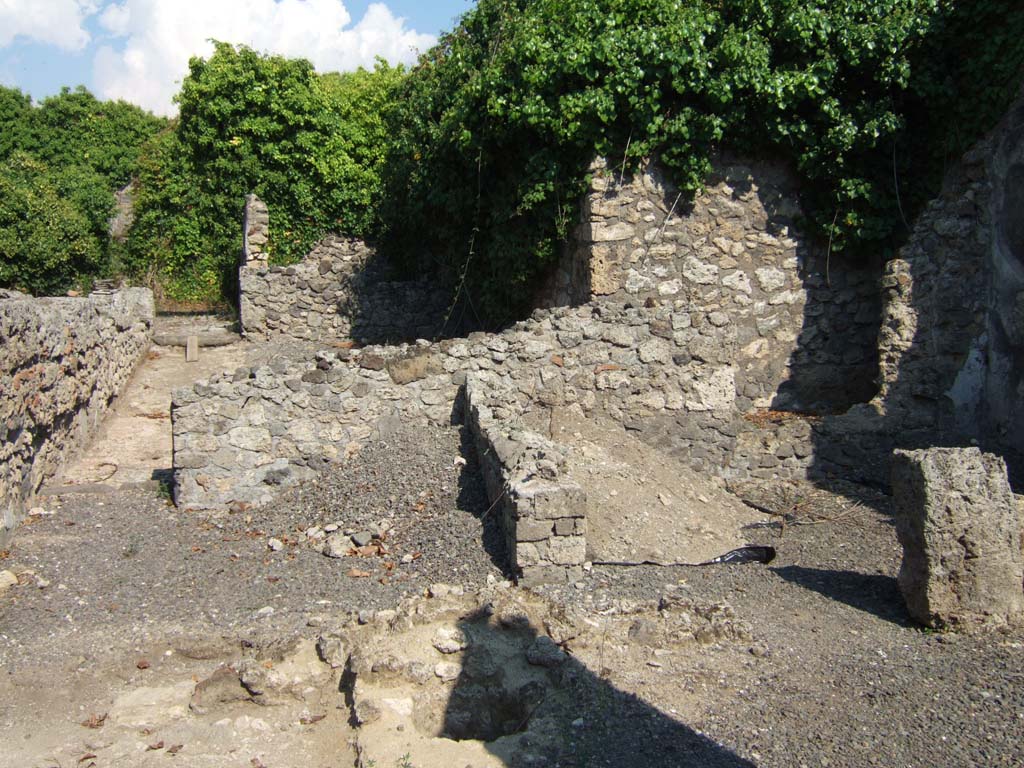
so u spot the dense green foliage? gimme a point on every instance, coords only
(471, 166)
(62, 162)
(74, 128)
(494, 130)
(309, 145)
(46, 241)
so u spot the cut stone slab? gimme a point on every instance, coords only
(960, 527)
(643, 505)
(211, 330)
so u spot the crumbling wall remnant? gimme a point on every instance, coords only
(668, 375)
(952, 340)
(62, 363)
(805, 325)
(542, 512)
(339, 291)
(255, 232)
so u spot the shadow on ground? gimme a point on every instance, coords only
(872, 593)
(532, 704)
(473, 498)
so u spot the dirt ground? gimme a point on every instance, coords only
(138, 635)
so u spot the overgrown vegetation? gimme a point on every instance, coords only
(310, 145)
(59, 164)
(471, 166)
(866, 99)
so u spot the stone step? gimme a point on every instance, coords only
(211, 330)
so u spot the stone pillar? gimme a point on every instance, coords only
(961, 529)
(255, 232)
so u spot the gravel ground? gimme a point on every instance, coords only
(838, 675)
(127, 567)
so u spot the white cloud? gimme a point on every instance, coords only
(57, 22)
(161, 35)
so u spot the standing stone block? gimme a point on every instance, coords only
(191, 349)
(961, 529)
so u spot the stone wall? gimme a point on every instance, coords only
(240, 435)
(629, 363)
(669, 375)
(338, 291)
(255, 233)
(62, 363)
(543, 514)
(952, 338)
(805, 328)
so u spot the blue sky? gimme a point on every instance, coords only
(138, 49)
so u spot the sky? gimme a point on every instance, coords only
(138, 50)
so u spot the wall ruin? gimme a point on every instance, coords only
(806, 328)
(715, 331)
(62, 363)
(240, 436)
(340, 290)
(951, 344)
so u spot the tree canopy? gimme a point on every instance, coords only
(471, 166)
(310, 145)
(494, 130)
(61, 161)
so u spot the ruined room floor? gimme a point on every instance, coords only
(826, 669)
(124, 604)
(133, 446)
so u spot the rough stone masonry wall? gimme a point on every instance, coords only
(629, 363)
(338, 291)
(805, 329)
(952, 337)
(255, 232)
(543, 514)
(62, 362)
(239, 436)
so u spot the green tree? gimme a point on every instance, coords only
(74, 128)
(15, 116)
(169, 245)
(311, 146)
(46, 243)
(64, 159)
(494, 129)
(352, 158)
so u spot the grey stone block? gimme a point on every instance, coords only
(961, 529)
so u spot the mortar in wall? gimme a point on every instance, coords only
(63, 361)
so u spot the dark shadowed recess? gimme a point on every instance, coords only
(872, 593)
(573, 717)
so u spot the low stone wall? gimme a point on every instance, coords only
(669, 375)
(542, 513)
(804, 326)
(62, 363)
(630, 363)
(339, 291)
(240, 435)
